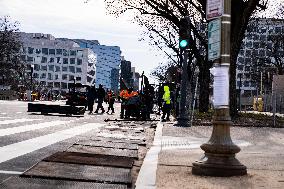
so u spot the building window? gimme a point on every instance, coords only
(51, 60)
(30, 50)
(45, 51)
(38, 51)
(79, 53)
(65, 52)
(57, 69)
(57, 84)
(72, 60)
(58, 60)
(72, 69)
(79, 61)
(78, 70)
(71, 77)
(78, 78)
(52, 51)
(64, 69)
(59, 51)
(44, 68)
(30, 59)
(65, 60)
(49, 77)
(64, 77)
(37, 67)
(63, 85)
(56, 77)
(43, 76)
(43, 59)
(50, 84)
(35, 75)
(72, 53)
(51, 68)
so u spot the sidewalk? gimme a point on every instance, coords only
(168, 163)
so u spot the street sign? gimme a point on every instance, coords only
(214, 39)
(214, 9)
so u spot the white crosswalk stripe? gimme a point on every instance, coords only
(27, 146)
(4, 122)
(20, 129)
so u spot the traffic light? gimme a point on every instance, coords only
(184, 33)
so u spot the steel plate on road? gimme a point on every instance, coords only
(66, 171)
(38, 183)
(108, 144)
(91, 159)
(103, 151)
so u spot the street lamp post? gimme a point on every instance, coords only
(219, 157)
(31, 89)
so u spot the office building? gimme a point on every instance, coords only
(57, 63)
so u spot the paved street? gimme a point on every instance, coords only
(36, 136)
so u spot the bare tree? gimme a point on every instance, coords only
(161, 20)
(11, 64)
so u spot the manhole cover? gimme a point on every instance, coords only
(108, 144)
(66, 171)
(91, 159)
(38, 183)
(103, 151)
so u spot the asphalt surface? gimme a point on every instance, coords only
(36, 136)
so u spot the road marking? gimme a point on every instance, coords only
(11, 172)
(19, 112)
(20, 129)
(16, 121)
(4, 117)
(21, 148)
(3, 113)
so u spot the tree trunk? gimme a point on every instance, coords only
(204, 83)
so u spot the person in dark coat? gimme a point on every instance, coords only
(91, 95)
(110, 100)
(101, 96)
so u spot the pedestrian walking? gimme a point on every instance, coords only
(110, 100)
(101, 96)
(91, 95)
(166, 104)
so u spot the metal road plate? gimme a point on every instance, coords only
(91, 159)
(103, 151)
(38, 183)
(108, 144)
(75, 172)
(116, 140)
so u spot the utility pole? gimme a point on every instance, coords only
(219, 157)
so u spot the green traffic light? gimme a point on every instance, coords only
(183, 43)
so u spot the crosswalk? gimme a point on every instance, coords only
(58, 130)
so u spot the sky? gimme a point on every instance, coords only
(76, 19)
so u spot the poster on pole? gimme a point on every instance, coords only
(214, 9)
(214, 39)
(220, 86)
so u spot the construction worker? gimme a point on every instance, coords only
(166, 104)
(124, 97)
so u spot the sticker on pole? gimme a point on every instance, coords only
(214, 39)
(214, 9)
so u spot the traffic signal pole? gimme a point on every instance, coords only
(184, 40)
(219, 157)
(182, 119)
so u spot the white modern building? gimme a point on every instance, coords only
(108, 62)
(257, 47)
(58, 63)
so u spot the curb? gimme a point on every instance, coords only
(147, 175)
